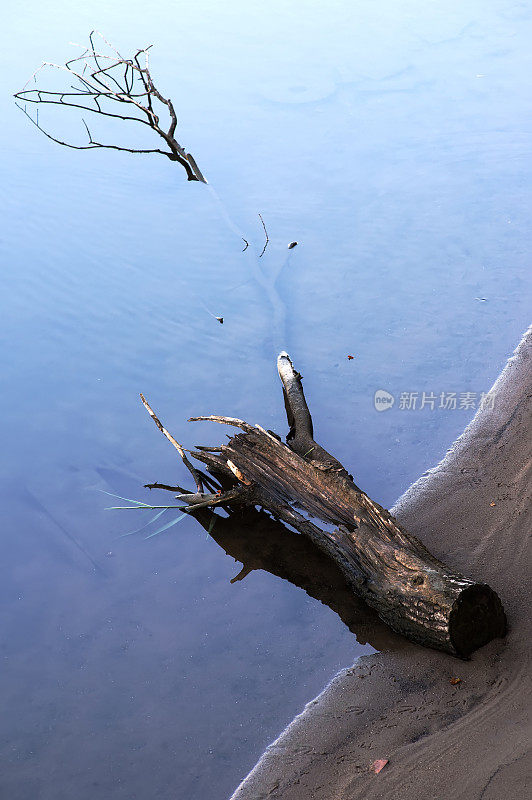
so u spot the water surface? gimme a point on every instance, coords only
(393, 143)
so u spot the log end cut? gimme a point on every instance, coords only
(477, 617)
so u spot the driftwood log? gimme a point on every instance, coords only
(308, 489)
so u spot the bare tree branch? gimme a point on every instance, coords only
(101, 83)
(180, 449)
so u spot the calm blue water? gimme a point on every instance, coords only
(393, 142)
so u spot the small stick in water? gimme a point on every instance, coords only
(267, 237)
(193, 471)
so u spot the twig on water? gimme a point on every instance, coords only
(164, 486)
(266, 234)
(193, 471)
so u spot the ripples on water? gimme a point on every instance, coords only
(394, 145)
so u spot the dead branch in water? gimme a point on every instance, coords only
(193, 471)
(104, 83)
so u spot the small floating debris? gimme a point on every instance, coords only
(292, 245)
(379, 765)
(266, 235)
(220, 319)
(455, 681)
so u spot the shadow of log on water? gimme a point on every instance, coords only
(257, 541)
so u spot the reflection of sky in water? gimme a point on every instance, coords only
(393, 143)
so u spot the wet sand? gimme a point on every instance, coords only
(470, 740)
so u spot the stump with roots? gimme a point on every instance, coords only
(305, 487)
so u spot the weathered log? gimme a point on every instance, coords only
(307, 488)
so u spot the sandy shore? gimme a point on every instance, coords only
(465, 741)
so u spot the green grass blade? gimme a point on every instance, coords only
(127, 499)
(153, 519)
(137, 508)
(212, 523)
(168, 525)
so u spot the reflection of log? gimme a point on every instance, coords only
(261, 543)
(301, 484)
